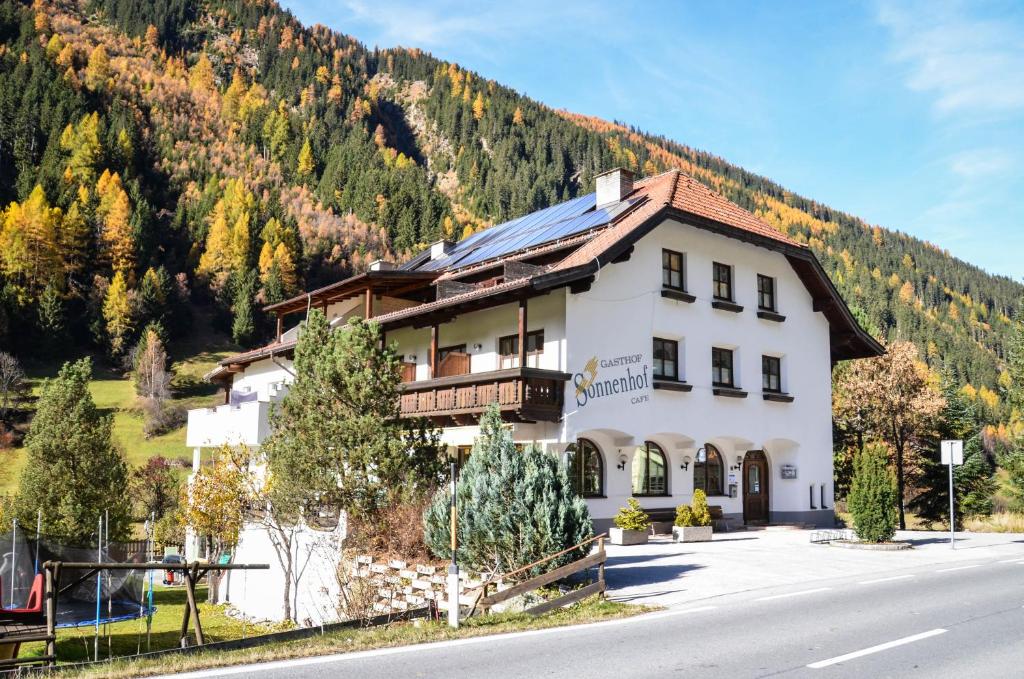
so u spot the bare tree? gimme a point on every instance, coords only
(12, 382)
(152, 379)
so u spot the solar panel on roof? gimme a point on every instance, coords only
(537, 228)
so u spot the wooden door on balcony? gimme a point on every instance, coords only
(452, 361)
(408, 373)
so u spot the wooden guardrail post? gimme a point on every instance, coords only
(600, 566)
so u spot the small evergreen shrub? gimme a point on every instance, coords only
(701, 513)
(632, 517)
(872, 500)
(684, 516)
(513, 507)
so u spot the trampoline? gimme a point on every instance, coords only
(85, 597)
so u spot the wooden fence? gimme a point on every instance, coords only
(597, 559)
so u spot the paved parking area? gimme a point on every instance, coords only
(666, 573)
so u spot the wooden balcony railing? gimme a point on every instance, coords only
(524, 394)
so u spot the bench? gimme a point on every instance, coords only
(662, 518)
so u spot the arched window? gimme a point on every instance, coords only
(650, 470)
(709, 474)
(586, 468)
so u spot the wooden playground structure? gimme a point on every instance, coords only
(37, 620)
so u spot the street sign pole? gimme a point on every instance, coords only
(952, 453)
(952, 519)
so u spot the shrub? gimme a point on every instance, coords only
(872, 500)
(160, 418)
(632, 517)
(684, 516)
(701, 513)
(514, 507)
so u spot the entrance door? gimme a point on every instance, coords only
(755, 487)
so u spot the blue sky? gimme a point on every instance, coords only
(909, 115)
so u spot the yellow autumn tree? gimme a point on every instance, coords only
(228, 241)
(117, 313)
(29, 255)
(81, 142)
(152, 38)
(478, 106)
(231, 103)
(97, 71)
(304, 168)
(114, 215)
(517, 116)
(200, 76)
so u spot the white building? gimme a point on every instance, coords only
(661, 337)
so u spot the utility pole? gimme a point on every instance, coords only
(453, 569)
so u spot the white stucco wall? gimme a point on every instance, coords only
(624, 310)
(315, 593)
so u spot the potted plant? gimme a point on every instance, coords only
(693, 522)
(631, 525)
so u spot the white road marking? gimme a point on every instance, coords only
(1012, 561)
(875, 649)
(958, 568)
(895, 577)
(253, 668)
(800, 593)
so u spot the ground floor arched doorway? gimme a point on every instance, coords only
(755, 487)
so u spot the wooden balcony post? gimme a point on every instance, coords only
(522, 348)
(368, 310)
(522, 333)
(280, 324)
(432, 359)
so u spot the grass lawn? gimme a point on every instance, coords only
(360, 639)
(114, 393)
(76, 644)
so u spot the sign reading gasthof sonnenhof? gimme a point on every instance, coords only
(600, 377)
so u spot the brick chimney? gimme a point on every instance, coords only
(613, 185)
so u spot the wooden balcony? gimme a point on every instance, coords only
(523, 394)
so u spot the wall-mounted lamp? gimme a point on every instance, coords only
(477, 347)
(623, 459)
(738, 465)
(686, 462)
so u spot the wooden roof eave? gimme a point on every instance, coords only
(391, 283)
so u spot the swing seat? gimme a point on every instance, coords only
(34, 605)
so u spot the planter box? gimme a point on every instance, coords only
(691, 533)
(619, 536)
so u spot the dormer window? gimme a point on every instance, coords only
(722, 289)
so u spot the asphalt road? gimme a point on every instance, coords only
(938, 621)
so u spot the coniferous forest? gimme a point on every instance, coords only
(161, 155)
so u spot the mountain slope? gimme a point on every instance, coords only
(258, 156)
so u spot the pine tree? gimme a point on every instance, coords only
(513, 507)
(1015, 364)
(336, 434)
(873, 495)
(52, 329)
(74, 473)
(243, 325)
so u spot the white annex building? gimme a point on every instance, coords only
(660, 337)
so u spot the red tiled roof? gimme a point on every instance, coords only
(673, 189)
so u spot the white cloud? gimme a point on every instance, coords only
(979, 163)
(971, 65)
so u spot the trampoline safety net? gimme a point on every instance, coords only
(119, 593)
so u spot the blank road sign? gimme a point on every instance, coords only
(952, 452)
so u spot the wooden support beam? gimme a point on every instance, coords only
(190, 592)
(280, 325)
(432, 359)
(522, 333)
(368, 303)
